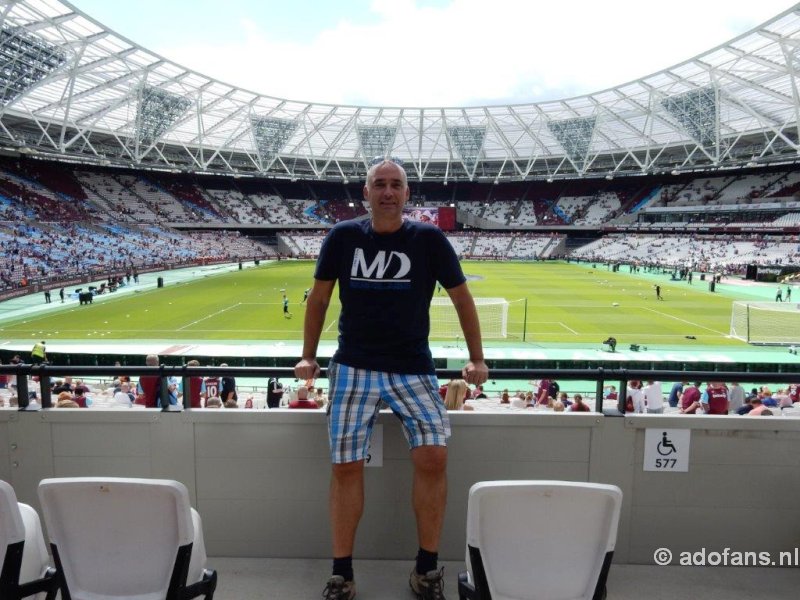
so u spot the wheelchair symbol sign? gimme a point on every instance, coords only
(665, 446)
(666, 449)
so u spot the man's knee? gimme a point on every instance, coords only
(349, 471)
(430, 459)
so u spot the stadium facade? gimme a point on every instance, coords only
(74, 90)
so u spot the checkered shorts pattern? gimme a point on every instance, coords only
(355, 397)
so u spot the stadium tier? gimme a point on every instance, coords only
(59, 220)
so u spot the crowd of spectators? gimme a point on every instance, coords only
(56, 222)
(693, 250)
(539, 396)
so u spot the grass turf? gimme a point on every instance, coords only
(566, 304)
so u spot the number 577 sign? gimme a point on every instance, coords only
(666, 449)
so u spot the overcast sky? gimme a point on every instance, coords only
(429, 52)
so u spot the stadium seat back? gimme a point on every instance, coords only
(119, 538)
(548, 540)
(25, 568)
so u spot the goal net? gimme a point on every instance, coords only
(492, 314)
(766, 322)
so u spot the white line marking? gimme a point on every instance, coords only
(663, 314)
(561, 323)
(328, 328)
(569, 328)
(209, 316)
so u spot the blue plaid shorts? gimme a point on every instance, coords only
(355, 397)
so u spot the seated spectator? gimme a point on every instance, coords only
(543, 392)
(610, 392)
(274, 392)
(121, 378)
(715, 399)
(320, 398)
(196, 387)
(529, 399)
(302, 401)
(518, 402)
(479, 394)
(63, 386)
(634, 401)
(736, 396)
(690, 399)
(149, 387)
(758, 407)
(504, 399)
(767, 398)
(456, 392)
(653, 398)
(746, 407)
(793, 391)
(578, 404)
(124, 396)
(228, 391)
(564, 399)
(553, 389)
(81, 398)
(64, 397)
(231, 403)
(172, 390)
(558, 406)
(66, 402)
(214, 402)
(79, 385)
(783, 398)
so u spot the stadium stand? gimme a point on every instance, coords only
(59, 220)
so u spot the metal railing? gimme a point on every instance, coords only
(45, 373)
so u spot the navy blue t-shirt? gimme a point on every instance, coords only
(386, 283)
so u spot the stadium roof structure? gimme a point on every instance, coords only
(71, 89)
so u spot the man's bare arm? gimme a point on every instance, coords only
(475, 371)
(316, 307)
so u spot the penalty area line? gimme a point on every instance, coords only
(219, 312)
(565, 326)
(663, 314)
(561, 323)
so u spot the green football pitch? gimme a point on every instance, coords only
(553, 303)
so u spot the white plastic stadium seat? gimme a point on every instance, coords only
(539, 540)
(25, 568)
(131, 539)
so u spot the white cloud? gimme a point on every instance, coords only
(475, 51)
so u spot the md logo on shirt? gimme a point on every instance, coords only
(384, 272)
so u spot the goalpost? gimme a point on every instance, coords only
(492, 314)
(766, 322)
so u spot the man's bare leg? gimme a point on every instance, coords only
(346, 505)
(429, 493)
